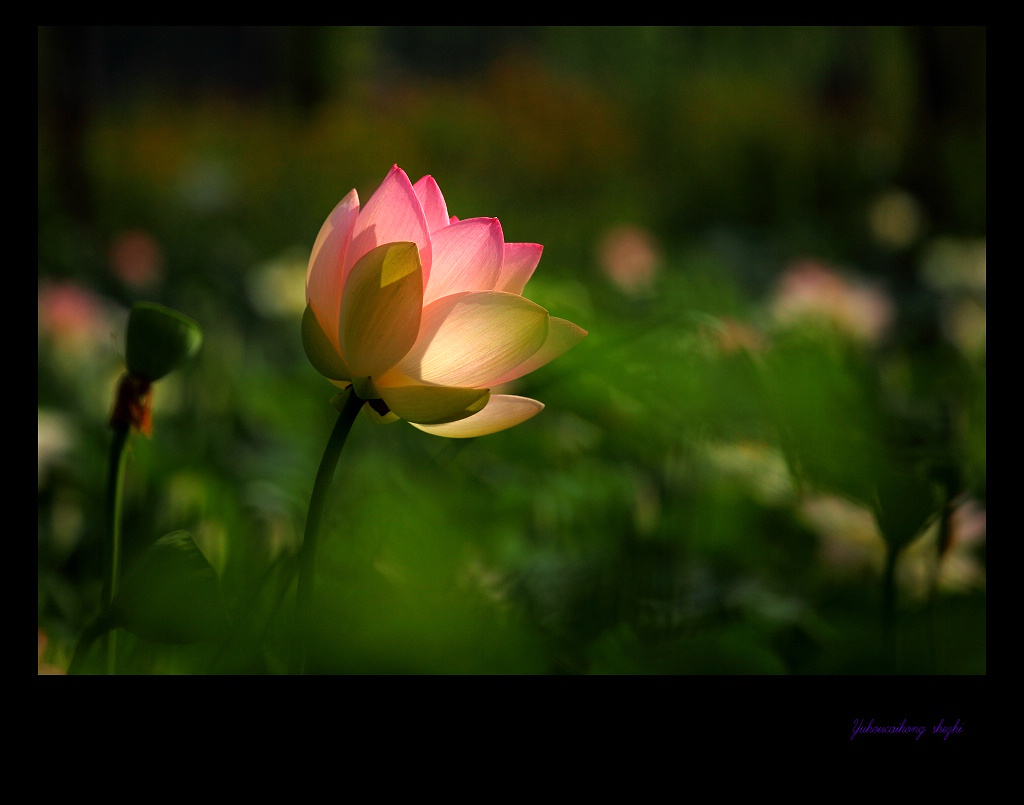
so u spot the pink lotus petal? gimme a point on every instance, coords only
(501, 412)
(324, 280)
(471, 339)
(434, 208)
(518, 266)
(467, 257)
(380, 310)
(562, 336)
(392, 215)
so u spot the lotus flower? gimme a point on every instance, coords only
(422, 314)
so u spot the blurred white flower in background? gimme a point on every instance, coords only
(895, 219)
(957, 270)
(56, 441)
(852, 545)
(276, 288)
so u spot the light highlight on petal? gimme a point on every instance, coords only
(471, 339)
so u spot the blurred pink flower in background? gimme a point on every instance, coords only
(630, 258)
(137, 259)
(77, 332)
(423, 313)
(76, 319)
(811, 290)
(66, 310)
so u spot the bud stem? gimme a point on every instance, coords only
(112, 565)
(314, 517)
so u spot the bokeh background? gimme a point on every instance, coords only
(768, 456)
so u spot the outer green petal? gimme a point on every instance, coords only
(319, 349)
(502, 411)
(433, 404)
(380, 309)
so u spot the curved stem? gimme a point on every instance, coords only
(112, 565)
(315, 516)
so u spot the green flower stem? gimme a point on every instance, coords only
(315, 516)
(115, 490)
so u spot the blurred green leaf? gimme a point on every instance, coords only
(907, 500)
(171, 594)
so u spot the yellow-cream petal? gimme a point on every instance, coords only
(562, 336)
(502, 411)
(433, 404)
(380, 309)
(472, 338)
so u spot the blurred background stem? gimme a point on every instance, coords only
(307, 554)
(98, 627)
(889, 608)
